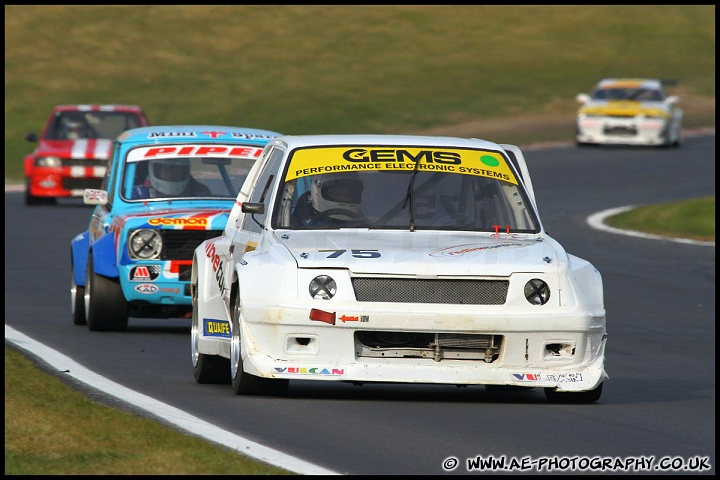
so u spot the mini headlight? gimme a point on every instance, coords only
(48, 162)
(322, 287)
(144, 244)
(537, 292)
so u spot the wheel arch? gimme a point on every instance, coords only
(104, 259)
(79, 247)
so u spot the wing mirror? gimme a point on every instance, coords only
(582, 98)
(252, 209)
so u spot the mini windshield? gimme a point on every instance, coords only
(637, 94)
(463, 189)
(75, 125)
(186, 171)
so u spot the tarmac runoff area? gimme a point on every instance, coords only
(196, 426)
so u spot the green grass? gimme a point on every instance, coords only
(505, 73)
(693, 219)
(50, 429)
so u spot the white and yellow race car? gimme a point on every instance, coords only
(623, 111)
(387, 258)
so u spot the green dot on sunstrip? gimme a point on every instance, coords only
(489, 161)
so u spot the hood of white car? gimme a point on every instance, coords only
(424, 254)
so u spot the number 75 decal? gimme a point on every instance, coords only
(354, 253)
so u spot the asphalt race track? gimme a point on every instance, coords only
(657, 410)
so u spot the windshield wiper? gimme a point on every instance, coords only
(409, 195)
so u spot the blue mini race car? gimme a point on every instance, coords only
(166, 190)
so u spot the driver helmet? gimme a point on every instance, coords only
(337, 190)
(170, 176)
(73, 129)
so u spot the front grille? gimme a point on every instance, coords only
(623, 131)
(435, 346)
(83, 162)
(185, 273)
(180, 244)
(456, 292)
(80, 183)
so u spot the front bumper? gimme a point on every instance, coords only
(157, 283)
(558, 351)
(621, 131)
(64, 181)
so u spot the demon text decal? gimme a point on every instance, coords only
(195, 222)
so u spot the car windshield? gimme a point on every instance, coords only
(638, 94)
(476, 191)
(74, 125)
(165, 172)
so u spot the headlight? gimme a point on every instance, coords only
(144, 244)
(537, 292)
(48, 162)
(322, 287)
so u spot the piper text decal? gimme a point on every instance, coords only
(175, 151)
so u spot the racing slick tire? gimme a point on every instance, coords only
(77, 299)
(206, 368)
(243, 383)
(106, 309)
(554, 396)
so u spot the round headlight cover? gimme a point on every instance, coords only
(144, 244)
(322, 287)
(537, 292)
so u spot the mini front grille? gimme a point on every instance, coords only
(185, 272)
(83, 162)
(456, 292)
(624, 131)
(180, 244)
(79, 183)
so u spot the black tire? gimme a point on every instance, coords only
(554, 396)
(211, 369)
(106, 309)
(77, 299)
(243, 383)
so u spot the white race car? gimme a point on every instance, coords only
(624, 111)
(385, 258)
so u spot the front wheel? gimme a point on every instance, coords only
(105, 306)
(206, 368)
(242, 382)
(555, 396)
(77, 299)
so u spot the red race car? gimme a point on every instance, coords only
(74, 148)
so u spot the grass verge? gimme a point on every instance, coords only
(51, 429)
(693, 219)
